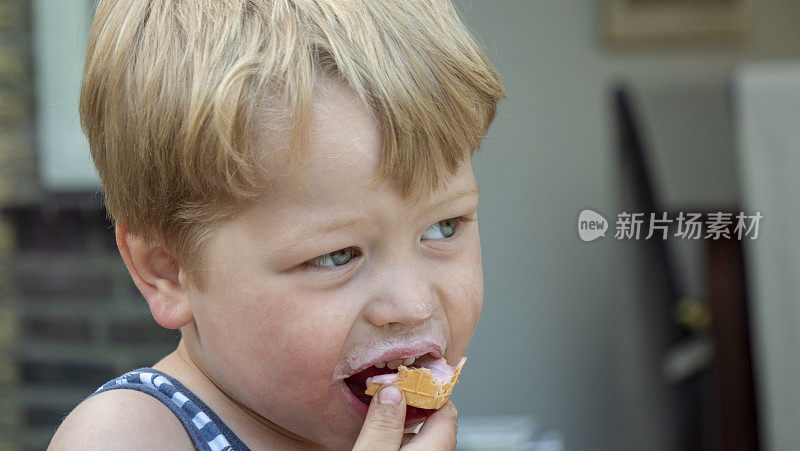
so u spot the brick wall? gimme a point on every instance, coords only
(16, 156)
(71, 319)
(17, 161)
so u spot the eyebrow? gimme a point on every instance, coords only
(470, 191)
(327, 226)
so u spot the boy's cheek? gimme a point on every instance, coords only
(463, 306)
(303, 343)
(474, 295)
(471, 289)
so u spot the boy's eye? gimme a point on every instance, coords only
(333, 259)
(440, 230)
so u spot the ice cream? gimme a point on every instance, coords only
(427, 384)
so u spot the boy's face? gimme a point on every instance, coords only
(279, 334)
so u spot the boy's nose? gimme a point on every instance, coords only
(403, 296)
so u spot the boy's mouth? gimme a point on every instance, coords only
(357, 383)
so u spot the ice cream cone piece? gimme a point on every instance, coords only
(421, 388)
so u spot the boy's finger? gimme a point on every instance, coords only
(383, 428)
(438, 431)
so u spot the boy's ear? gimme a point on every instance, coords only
(156, 273)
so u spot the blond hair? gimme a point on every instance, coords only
(174, 92)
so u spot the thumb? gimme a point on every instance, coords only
(383, 428)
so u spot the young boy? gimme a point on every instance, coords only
(292, 188)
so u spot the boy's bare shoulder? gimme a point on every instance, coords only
(121, 419)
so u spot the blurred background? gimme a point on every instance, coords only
(617, 106)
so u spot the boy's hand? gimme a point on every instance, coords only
(383, 428)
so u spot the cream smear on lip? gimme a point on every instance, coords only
(370, 352)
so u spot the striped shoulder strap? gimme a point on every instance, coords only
(204, 427)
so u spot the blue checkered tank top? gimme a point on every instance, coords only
(205, 428)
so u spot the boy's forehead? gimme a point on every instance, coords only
(339, 167)
(339, 184)
(344, 146)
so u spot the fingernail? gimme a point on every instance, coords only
(390, 395)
